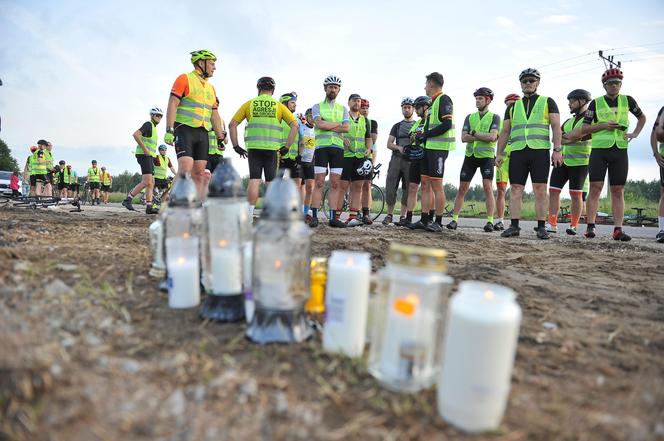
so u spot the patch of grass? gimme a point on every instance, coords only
(104, 293)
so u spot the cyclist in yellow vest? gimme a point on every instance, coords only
(94, 182)
(357, 141)
(62, 177)
(576, 155)
(366, 168)
(162, 163)
(528, 125)
(502, 173)
(607, 120)
(307, 147)
(480, 133)
(35, 169)
(146, 138)
(106, 184)
(262, 136)
(216, 148)
(657, 135)
(438, 139)
(190, 115)
(290, 158)
(421, 105)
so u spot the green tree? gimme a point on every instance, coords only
(7, 161)
(125, 181)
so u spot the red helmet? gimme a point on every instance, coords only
(364, 103)
(614, 72)
(512, 97)
(33, 148)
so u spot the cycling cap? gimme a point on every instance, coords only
(512, 97)
(579, 94)
(156, 111)
(612, 73)
(407, 101)
(422, 101)
(202, 55)
(265, 83)
(530, 72)
(484, 91)
(332, 80)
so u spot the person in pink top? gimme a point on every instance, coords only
(14, 184)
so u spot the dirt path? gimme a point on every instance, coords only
(90, 350)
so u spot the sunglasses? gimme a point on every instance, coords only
(613, 82)
(529, 80)
(157, 116)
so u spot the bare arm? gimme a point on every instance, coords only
(232, 131)
(324, 125)
(554, 119)
(171, 110)
(639, 126)
(504, 136)
(216, 124)
(492, 136)
(343, 128)
(138, 137)
(292, 134)
(392, 145)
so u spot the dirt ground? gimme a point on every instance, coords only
(89, 349)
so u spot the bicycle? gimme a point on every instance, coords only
(377, 198)
(157, 194)
(85, 197)
(639, 220)
(564, 215)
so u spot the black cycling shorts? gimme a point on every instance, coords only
(191, 142)
(661, 176)
(575, 175)
(262, 161)
(533, 162)
(290, 164)
(35, 178)
(612, 159)
(48, 177)
(433, 163)
(331, 157)
(161, 184)
(351, 164)
(471, 164)
(147, 164)
(415, 172)
(62, 186)
(95, 185)
(213, 161)
(307, 170)
(105, 188)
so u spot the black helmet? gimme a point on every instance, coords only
(265, 83)
(579, 94)
(422, 101)
(530, 72)
(484, 91)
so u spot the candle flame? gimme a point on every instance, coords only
(185, 236)
(277, 264)
(349, 261)
(223, 243)
(407, 305)
(489, 295)
(180, 260)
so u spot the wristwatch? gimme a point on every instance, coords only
(169, 130)
(557, 149)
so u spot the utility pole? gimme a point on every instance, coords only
(608, 61)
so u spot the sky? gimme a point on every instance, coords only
(84, 75)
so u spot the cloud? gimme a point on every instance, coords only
(559, 19)
(504, 22)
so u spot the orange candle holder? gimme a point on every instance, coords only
(318, 274)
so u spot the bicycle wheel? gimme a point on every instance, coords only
(325, 204)
(377, 201)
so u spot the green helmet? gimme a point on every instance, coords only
(202, 55)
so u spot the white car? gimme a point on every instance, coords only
(5, 177)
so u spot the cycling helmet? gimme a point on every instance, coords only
(103, 167)
(614, 72)
(156, 111)
(406, 101)
(530, 72)
(68, 165)
(579, 94)
(33, 148)
(163, 147)
(365, 169)
(286, 97)
(484, 91)
(202, 55)
(512, 97)
(413, 152)
(364, 103)
(265, 83)
(309, 111)
(332, 80)
(61, 162)
(422, 101)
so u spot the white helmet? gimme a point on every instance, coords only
(332, 79)
(366, 168)
(156, 111)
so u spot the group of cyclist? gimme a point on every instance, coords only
(340, 141)
(47, 179)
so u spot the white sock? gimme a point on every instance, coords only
(251, 210)
(500, 219)
(661, 223)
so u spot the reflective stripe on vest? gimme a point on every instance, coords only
(295, 147)
(481, 124)
(531, 131)
(213, 145)
(355, 136)
(326, 138)
(93, 174)
(195, 109)
(150, 143)
(578, 152)
(607, 138)
(445, 141)
(161, 170)
(263, 130)
(38, 167)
